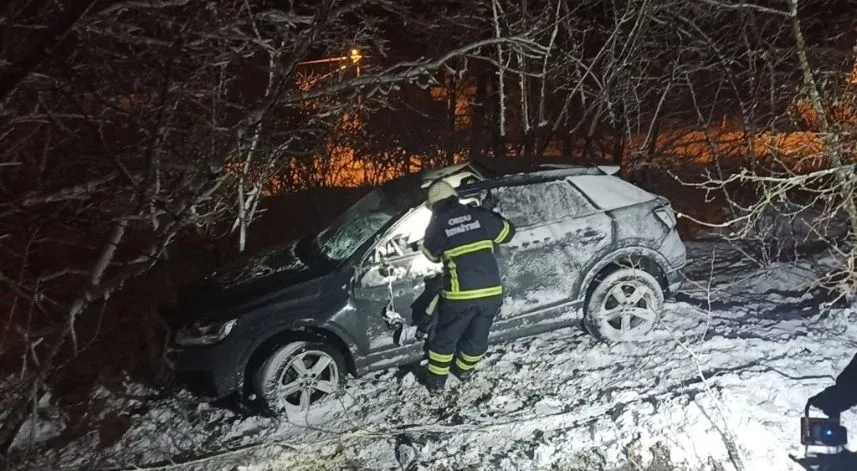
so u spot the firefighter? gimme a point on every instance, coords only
(464, 238)
(841, 396)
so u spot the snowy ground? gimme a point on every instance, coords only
(559, 401)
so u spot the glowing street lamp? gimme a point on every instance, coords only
(355, 56)
(355, 59)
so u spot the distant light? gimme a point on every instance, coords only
(355, 55)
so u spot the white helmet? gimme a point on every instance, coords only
(439, 191)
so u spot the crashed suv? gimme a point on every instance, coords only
(286, 327)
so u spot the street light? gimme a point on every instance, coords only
(355, 59)
(355, 55)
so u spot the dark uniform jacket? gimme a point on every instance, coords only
(464, 238)
(841, 396)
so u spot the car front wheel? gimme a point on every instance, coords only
(624, 306)
(298, 376)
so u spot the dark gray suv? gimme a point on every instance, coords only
(286, 326)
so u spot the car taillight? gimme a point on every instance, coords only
(665, 214)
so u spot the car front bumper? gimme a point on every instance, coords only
(675, 280)
(207, 370)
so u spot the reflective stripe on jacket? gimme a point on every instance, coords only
(463, 237)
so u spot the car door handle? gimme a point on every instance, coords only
(591, 236)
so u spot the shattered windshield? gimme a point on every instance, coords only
(355, 226)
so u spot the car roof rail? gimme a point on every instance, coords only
(584, 170)
(536, 176)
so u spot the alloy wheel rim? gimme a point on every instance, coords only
(628, 308)
(308, 378)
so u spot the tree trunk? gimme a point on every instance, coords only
(500, 140)
(477, 114)
(568, 146)
(829, 135)
(586, 151)
(529, 142)
(452, 92)
(499, 146)
(618, 147)
(651, 149)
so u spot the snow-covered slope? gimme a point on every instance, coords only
(722, 387)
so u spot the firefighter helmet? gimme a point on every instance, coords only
(439, 191)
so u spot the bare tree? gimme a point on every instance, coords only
(794, 108)
(140, 124)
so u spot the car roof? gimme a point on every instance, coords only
(596, 182)
(522, 170)
(609, 192)
(536, 176)
(606, 191)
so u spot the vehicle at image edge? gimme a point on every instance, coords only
(286, 326)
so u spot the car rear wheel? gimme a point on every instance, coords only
(624, 306)
(298, 376)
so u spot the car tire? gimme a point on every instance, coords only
(625, 305)
(298, 376)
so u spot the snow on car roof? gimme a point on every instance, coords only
(608, 169)
(609, 192)
(538, 176)
(508, 172)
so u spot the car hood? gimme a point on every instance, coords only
(249, 281)
(281, 260)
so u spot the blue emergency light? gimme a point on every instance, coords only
(817, 431)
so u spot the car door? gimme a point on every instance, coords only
(394, 274)
(592, 237)
(556, 228)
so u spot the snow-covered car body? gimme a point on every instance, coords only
(573, 225)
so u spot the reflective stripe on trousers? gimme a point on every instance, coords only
(439, 363)
(466, 362)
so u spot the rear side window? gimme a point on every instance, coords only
(539, 203)
(610, 192)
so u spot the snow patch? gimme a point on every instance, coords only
(45, 424)
(559, 400)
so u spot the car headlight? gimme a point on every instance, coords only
(204, 334)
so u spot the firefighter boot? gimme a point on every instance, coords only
(463, 376)
(434, 383)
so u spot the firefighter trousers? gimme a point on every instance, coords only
(461, 337)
